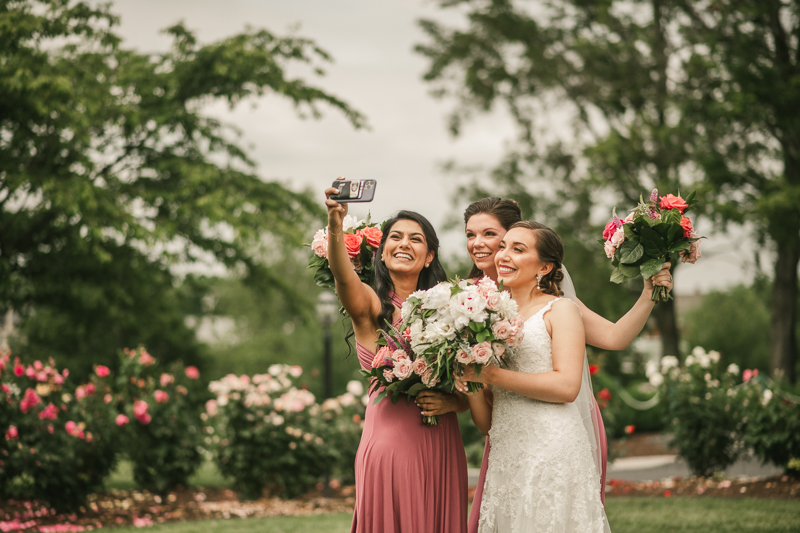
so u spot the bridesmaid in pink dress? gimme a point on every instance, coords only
(487, 221)
(409, 477)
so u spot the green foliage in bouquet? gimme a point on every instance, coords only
(653, 233)
(265, 432)
(160, 421)
(56, 447)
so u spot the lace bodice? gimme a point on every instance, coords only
(541, 475)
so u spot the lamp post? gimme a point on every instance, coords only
(327, 307)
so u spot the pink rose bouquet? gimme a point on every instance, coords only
(653, 233)
(361, 238)
(443, 329)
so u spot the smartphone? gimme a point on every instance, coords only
(354, 190)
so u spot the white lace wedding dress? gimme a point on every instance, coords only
(541, 476)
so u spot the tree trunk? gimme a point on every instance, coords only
(783, 342)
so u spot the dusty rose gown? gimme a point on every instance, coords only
(409, 477)
(474, 514)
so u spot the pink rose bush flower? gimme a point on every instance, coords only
(12, 433)
(102, 371)
(140, 408)
(192, 372)
(444, 328)
(121, 420)
(161, 396)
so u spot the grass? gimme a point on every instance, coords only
(627, 515)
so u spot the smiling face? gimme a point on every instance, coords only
(517, 260)
(484, 233)
(406, 249)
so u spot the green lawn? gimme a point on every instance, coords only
(206, 476)
(627, 515)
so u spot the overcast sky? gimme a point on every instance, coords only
(377, 72)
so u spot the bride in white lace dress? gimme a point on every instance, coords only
(542, 474)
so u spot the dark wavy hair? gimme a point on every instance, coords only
(430, 275)
(506, 211)
(550, 249)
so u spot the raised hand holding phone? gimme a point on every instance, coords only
(353, 190)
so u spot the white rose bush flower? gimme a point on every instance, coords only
(443, 329)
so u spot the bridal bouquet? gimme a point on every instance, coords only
(443, 329)
(361, 238)
(653, 233)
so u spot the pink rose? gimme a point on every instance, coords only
(102, 371)
(628, 218)
(502, 329)
(399, 355)
(144, 420)
(618, 237)
(493, 300)
(463, 356)
(29, 400)
(165, 379)
(429, 379)
(58, 379)
(320, 243)
(30, 372)
(140, 408)
(18, 369)
(686, 224)
(482, 352)
(50, 412)
(352, 242)
(12, 433)
(192, 372)
(380, 358)
(610, 249)
(146, 359)
(161, 396)
(107, 398)
(71, 428)
(89, 389)
(373, 235)
(673, 202)
(121, 420)
(41, 376)
(295, 371)
(388, 375)
(420, 366)
(693, 253)
(37, 365)
(212, 407)
(498, 348)
(403, 368)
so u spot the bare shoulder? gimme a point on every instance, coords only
(564, 307)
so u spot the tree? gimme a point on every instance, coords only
(605, 65)
(110, 174)
(744, 74)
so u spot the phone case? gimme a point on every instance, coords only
(351, 191)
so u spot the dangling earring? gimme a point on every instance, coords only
(538, 281)
(427, 265)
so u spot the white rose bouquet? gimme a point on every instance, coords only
(444, 328)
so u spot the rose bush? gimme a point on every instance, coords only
(265, 432)
(343, 418)
(159, 419)
(56, 446)
(706, 411)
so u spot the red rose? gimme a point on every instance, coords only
(594, 369)
(673, 202)
(611, 229)
(686, 224)
(373, 234)
(604, 395)
(630, 429)
(353, 243)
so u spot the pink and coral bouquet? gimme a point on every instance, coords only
(655, 231)
(361, 238)
(445, 328)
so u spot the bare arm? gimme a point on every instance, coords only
(358, 299)
(481, 410)
(563, 383)
(608, 335)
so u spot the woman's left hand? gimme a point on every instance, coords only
(434, 402)
(662, 279)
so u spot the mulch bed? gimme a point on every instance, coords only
(781, 487)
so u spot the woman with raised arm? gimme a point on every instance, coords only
(542, 475)
(409, 476)
(486, 223)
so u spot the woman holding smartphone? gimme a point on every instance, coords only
(409, 477)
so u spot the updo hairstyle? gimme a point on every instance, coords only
(550, 249)
(505, 210)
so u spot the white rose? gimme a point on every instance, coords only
(733, 368)
(669, 361)
(656, 379)
(438, 296)
(714, 356)
(349, 222)
(507, 308)
(651, 369)
(767, 396)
